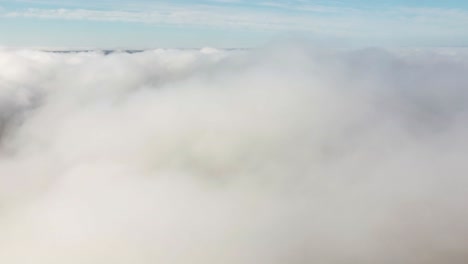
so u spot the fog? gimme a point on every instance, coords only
(287, 154)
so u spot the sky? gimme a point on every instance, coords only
(284, 153)
(230, 23)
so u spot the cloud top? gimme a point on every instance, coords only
(287, 154)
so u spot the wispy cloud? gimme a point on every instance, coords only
(173, 15)
(338, 21)
(319, 18)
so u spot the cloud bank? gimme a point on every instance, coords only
(287, 154)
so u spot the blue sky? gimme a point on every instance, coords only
(231, 23)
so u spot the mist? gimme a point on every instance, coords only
(283, 154)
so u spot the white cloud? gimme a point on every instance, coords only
(283, 155)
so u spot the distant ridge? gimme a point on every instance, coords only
(130, 51)
(106, 52)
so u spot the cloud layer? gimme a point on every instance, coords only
(287, 154)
